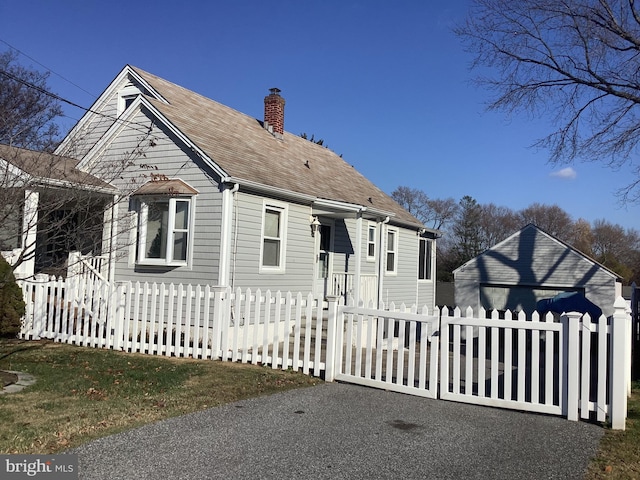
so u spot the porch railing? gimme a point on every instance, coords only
(90, 267)
(342, 286)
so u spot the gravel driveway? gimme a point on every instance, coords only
(346, 431)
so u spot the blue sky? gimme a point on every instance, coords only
(384, 83)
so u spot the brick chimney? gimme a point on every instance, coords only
(274, 112)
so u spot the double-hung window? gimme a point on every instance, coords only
(424, 259)
(392, 252)
(272, 252)
(371, 243)
(165, 231)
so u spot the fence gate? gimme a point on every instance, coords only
(393, 350)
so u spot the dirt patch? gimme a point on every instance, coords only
(7, 378)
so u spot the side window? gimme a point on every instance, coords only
(424, 259)
(392, 252)
(371, 243)
(165, 231)
(273, 238)
(11, 216)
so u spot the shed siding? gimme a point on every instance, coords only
(533, 259)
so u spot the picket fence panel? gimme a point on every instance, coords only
(282, 330)
(577, 367)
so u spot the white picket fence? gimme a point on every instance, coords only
(575, 367)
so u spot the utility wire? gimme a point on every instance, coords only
(47, 68)
(73, 104)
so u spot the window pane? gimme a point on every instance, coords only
(157, 219)
(182, 215)
(272, 224)
(180, 246)
(423, 260)
(391, 258)
(271, 253)
(11, 231)
(372, 250)
(372, 234)
(391, 238)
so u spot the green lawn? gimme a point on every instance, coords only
(84, 393)
(619, 455)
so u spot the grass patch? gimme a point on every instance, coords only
(619, 454)
(84, 393)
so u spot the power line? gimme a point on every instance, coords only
(47, 68)
(69, 102)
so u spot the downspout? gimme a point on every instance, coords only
(224, 266)
(357, 281)
(234, 191)
(381, 260)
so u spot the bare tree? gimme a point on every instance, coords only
(497, 223)
(435, 214)
(574, 59)
(550, 218)
(27, 111)
(48, 205)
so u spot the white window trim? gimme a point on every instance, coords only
(396, 235)
(431, 260)
(375, 241)
(142, 237)
(124, 94)
(284, 210)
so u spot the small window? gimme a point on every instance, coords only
(371, 243)
(273, 234)
(11, 221)
(424, 259)
(126, 97)
(392, 251)
(165, 231)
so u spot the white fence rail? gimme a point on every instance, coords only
(576, 367)
(282, 330)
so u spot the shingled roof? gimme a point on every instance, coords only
(246, 151)
(47, 168)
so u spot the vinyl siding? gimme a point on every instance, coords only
(98, 123)
(167, 158)
(534, 259)
(402, 287)
(299, 256)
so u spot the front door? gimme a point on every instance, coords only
(322, 270)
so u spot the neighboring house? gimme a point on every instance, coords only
(528, 266)
(40, 194)
(214, 196)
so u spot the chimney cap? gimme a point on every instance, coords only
(275, 91)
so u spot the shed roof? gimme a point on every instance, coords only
(517, 234)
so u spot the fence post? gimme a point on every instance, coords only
(332, 320)
(571, 364)
(220, 296)
(116, 315)
(618, 393)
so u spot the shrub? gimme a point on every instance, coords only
(11, 302)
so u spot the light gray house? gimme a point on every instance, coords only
(528, 266)
(214, 196)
